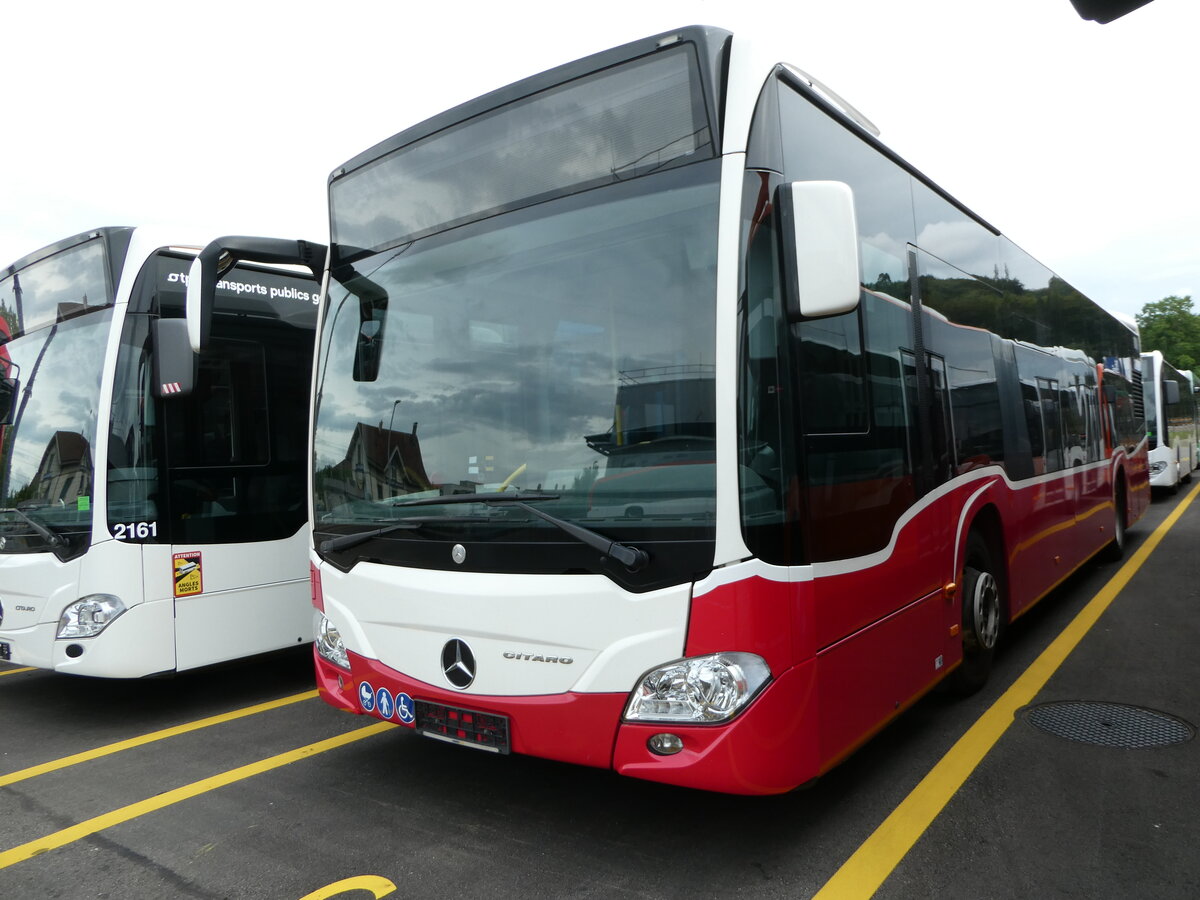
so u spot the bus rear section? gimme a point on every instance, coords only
(665, 420)
(153, 514)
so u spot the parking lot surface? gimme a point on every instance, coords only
(1072, 774)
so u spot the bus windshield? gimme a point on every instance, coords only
(565, 348)
(48, 450)
(58, 312)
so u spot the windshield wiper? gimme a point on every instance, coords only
(507, 497)
(633, 558)
(54, 540)
(346, 541)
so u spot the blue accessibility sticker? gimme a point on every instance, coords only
(405, 710)
(366, 696)
(384, 703)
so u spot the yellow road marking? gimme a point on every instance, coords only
(376, 884)
(16, 671)
(85, 756)
(126, 813)
(867, 868)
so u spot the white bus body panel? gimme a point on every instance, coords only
(252, 601)
(35, 588)
(141, 641)
(404, 617)
(1170, 473)
(138, 643)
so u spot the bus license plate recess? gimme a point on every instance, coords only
(483, 731)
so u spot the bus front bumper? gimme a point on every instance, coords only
(769, 748)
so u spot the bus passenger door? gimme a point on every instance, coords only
(236, 497)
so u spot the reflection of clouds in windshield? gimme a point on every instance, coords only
(531, 411)
(63, 393)
(504, 345)
(598, 128)
(74, 276)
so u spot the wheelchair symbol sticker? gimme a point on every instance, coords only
(406, 710)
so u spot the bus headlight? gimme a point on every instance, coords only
(703, 689)
(1157, 468)
(329, 642)
(88, 616)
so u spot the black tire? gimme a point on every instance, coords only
(1115, 549)
(983, 607)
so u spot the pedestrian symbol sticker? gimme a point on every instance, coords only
(189, 574)
(384, 703)
(366, 696)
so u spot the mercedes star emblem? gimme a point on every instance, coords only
(458, 664)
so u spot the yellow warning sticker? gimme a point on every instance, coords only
(189, 574)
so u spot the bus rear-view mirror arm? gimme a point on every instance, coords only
(820, 248)
(221, 255)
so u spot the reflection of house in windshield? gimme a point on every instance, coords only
(65, 472)
(379, 463)
(660, 410)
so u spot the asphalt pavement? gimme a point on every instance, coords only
(1074, 773)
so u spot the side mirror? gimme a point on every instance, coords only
(1171, 391)
(10, 389)
(368, 350)
(372, 319)
(820, 248)
(174, 361)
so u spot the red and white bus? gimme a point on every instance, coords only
(666, 421)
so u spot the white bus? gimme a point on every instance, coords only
(152, 512)
(1170, 421)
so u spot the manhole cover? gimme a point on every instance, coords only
(1109, 724)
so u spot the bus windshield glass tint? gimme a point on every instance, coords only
(55, 288)
(644, 116)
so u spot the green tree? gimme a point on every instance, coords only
(1170, 326)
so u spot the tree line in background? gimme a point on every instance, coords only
(1169, 326)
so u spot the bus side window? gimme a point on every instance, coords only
(833, 385)
(767, 460)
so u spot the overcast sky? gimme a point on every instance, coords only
(1078, 140)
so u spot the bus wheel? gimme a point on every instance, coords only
(1116, 547)
(982, 613)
